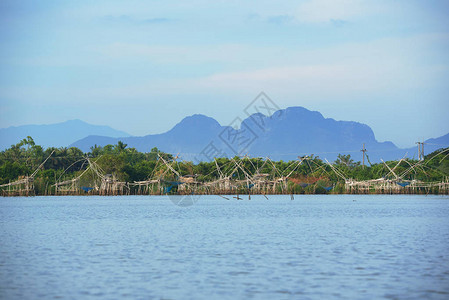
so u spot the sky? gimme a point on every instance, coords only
(142, 66)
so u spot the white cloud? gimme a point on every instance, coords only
(353, 69)
(317, 11)
(346, 70)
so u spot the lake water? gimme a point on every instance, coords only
(141, 247)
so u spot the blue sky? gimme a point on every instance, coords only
(141, 66)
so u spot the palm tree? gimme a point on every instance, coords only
(96, 150)
(120, 147)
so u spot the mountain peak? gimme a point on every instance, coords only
(196, 122)
(299, 111)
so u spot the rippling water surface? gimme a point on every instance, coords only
(362, 247)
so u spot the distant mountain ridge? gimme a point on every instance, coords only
(55, 135)
(285, 135)
(188, 136)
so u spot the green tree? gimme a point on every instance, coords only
(120, 147)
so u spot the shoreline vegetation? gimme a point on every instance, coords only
(27, 169)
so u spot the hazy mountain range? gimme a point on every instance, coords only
(285, 135)
(55, 135)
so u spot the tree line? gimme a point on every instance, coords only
(129, 165)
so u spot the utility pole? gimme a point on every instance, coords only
(363, 150)
(420, 150)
